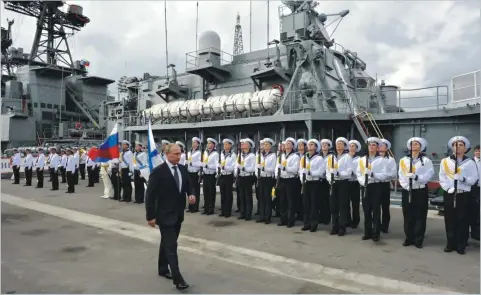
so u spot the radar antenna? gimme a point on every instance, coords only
(50, 34)
(238, 44)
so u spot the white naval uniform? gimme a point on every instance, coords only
(227, 166)
(247, 169)
(288, 189)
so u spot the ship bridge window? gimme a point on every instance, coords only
(361, 83)
(35, 104)
(42, 105)
(49, 106)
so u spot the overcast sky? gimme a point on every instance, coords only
(407, 43)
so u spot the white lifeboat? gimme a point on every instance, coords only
(195, 107)
(174, 109)
(229, 104)
(218, 104)
(265, 99)
(206, 107)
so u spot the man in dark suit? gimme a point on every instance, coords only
(167, 189)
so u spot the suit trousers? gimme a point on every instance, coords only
(126, 185)
(70, 182)
(168, 252)
(194, 177)
(39, 178)
(16, 174)
(385, 205)
(415, 214)
(355, 198)
(456, 220)
(311, 203)
(139, 187)
(372, 210)
(226, 194)
(474, 212)
(54, 177)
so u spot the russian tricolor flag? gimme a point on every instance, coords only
(109, 149)
(153, 155)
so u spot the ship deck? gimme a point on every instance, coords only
(80, 243)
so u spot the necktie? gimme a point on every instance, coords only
(176, 177)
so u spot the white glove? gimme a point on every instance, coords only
(411, 175)
(451, 190)
(458, 177)
(130, 174)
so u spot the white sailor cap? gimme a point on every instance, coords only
(52, 148)
(67, 149)
(210, 139)
(419, 140)
(165, 141)
(139, 143)
(40, 149)
(180, 143)
(467, 144)
(262, 141)
(386, 143)
(357, 143)
(196, 139)
(302, 140)
(292, 140)
(228, 140)
(250, 142)
(343, 140)
(268, 140)
(283, 142)
(126, 142)
(316, 142)
(75, 148)
(325, 140)
(373, 139)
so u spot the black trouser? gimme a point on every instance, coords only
(168, 252)
(54, 177)
(339, 201)
(258, 192)
(226, 194)
(126, 185)
(115, 179)
(63, 173)
(28, 176)
(456, 220)
(298, 202)
(75, 176)
(16, 174)
(474, 212)
(39, 178)
(385, 206)
(245, 192)
(194, 177)
(355, 197)
(288, 192)
(325, 204)
(70, 182)
(90, 175)
(237, 197)
(97, 174)
(82, 170)
(311, 203)
(139, 187)
(208, 186)
(265, 199)
(371, 205)
(415, 214)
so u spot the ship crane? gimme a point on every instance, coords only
(6, 43)
(50, 44)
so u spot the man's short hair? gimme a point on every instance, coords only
(169, 147)
(477, 147)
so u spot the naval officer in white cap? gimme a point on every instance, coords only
(226, 178)
(246, 178)
(211, 158)
(127, 171)
(325, 205)
(384, 146)
(266, 181)
(193, 164)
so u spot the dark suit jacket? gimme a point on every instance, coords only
(163, 201)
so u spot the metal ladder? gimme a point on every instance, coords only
(372, 121)
(83, 106)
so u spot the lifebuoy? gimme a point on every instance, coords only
(278, 86)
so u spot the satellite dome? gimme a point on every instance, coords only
(209, 41)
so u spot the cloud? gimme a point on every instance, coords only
(406, 43)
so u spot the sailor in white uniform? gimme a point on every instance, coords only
(313, 170)
(211, 157)
(193, 163)
(288, 189)
(325, 206)
(39, 167)
(114, 169)
(257, 178)
(53, 168)
(76, 156)
(415, 197)
(127, 171)
(71, 165)
(371, 172)
(164, 143)
(301, 151)
(90, 164)
(62, 166)
(183, 150)
(83, 157)
(457, 185)
(384, 146)
(474, 204)
(246, 174)
(354, 190)
(140, 160)
(226, 178)
(28, 166)
(267, 181)
(16, 162)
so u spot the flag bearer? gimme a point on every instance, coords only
(211, 159)
(71, 165)
(338, 172)
(384, 146)
(83, 157)
(301, 150)
(474, 204)
(288, 185)
(16, 160)
(108, 188)
(314, 168)
(246, 178)
(457, 186)
(39, 166)
(375, 172)
(354, 191)
(126, 171)
(63, 165)
(226, 179)
(53, 168)
(28, 166)
(325, 207)
(415, 191)
(90, 164)
(140, 161)
(267, 181)
(193, 167)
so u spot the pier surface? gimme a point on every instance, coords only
(54, 242)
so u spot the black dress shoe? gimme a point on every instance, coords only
(305, 228)
(385, 231)
(461, 251)
(166, 275)
(313, 230)
(241, 217)
(260, 220)
(182, 286)
(364, 238)
(407, 243)
(334, 232)
(375, 239)
(341, 233)
(267, 222)
(448, 249)
(221, 215)
(418, 245)
(281, 224)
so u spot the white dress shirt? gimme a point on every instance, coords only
(63, 162)
(126, 161)
(377, 167)
(423, 171)
(71, 164)
(228, 163)
(40, 163)
(342, 167)
(466, 168)
(28, 162)
(193, 161)
(211, 160)
(248, 164)
(268, 163)
(289, 165)
(54, 162)
(16, 159)
(315, 168)
(173, 173)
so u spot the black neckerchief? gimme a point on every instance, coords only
(313, 155)
(454, 158)
(420, 158)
